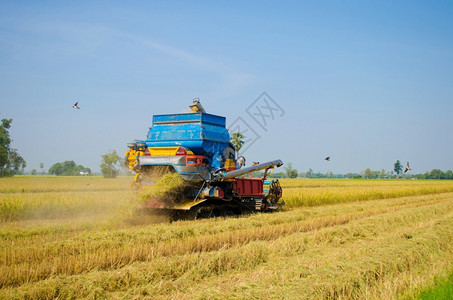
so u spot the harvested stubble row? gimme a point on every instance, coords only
(378, 248)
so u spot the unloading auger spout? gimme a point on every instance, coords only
(247, 170)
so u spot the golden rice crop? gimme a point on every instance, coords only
(319, 192)
(169, 186)
(35, 184)
(72, 238)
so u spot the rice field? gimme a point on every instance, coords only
(82, 237)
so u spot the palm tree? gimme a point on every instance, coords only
(237, 141)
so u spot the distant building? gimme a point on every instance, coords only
(84, 172)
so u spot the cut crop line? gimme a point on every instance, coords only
(15, 267)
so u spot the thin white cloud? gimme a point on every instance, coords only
(51, 39)
(232, 80)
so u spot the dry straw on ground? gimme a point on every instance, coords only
(375, 239)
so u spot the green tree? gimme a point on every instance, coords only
(67, 168)
(237, 139)
(420, 176)
(290, 172)
(398, 167)
(382, 174)
(56, 169)
(368, 173)
(10, 161)
(278, 175)
(17, 163)
(436, 174)
(34, 172)
(109, 163)
(41, 165)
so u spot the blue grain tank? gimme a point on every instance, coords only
(202, 133)
(195, 145)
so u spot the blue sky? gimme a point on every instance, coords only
(366, 82)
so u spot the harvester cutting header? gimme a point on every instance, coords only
(197, 147)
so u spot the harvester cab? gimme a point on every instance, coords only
(196, 148)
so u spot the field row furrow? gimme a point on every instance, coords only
(94, 241)
(29, 236)
(300, 257)
(345, 265)
(82, 257)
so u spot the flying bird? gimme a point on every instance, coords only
(407, 167)
(327, 158)
(76, 105)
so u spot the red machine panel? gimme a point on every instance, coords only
(248, 186)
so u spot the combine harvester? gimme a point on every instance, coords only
(197, 147)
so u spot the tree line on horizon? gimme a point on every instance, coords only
(109, 167)
(11, 163)
(365, 174)
(290, 172)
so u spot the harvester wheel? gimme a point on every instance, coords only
(275, 192)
